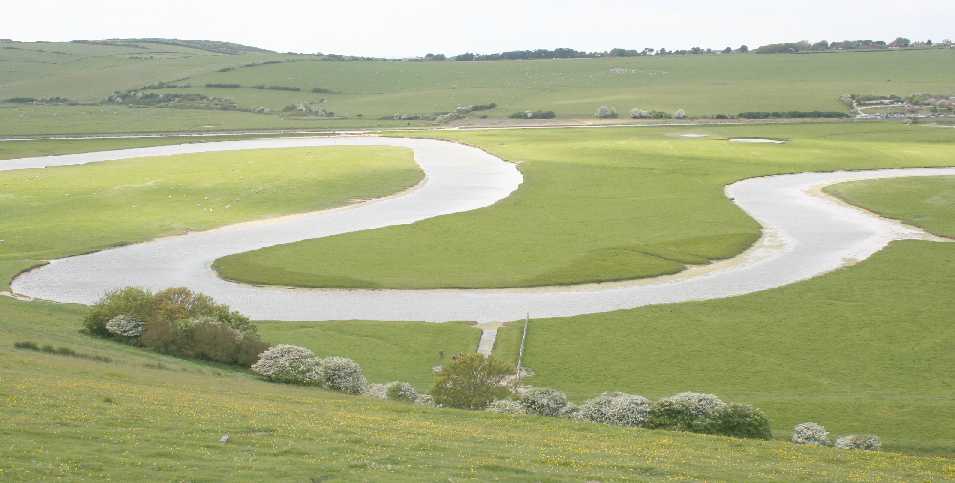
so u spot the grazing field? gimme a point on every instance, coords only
(925, 202)
(864, 349)
(28, 120)
(56, 212)
(703, 85)
(596, 205)
(363, 93)
(389, 351)
(147, 416)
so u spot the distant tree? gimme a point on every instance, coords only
(743, 49)
(901, 42)
(728, 50)
(821, 45)
(435, 57)
(466, 57)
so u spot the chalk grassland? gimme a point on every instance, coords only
(928, 203)
(147, 416)
(361, 93)
(52, 213)
(703, 85)
(596, 205)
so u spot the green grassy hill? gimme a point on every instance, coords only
(360, 93)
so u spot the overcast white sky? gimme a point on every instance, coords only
(393, 28)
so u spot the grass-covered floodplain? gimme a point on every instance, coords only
(928, 203)
(57, 212)
(864, 349)
(596, 205)
(147, 416)
(388, 351)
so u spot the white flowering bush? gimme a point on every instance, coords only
(401, 391)
(616, 408)
(506, 406)
(679, 114)
(637, 113)
(869, 442)
(125, 326)
(543, 401)
(289, 364)
(812, 434)
(341, 374)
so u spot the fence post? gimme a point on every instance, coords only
(520, 354)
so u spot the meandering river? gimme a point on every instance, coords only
(805, 234)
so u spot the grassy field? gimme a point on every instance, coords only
(18, 120)
(575, 88)
(52, 213)
(146, 416)
(925, 202)
(363, 92)
(596, 205)
(865, 349)
(388, 351)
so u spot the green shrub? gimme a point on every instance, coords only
(177, 321)
(131, 302)
(471, 381)
(687, 411)
(739, 421)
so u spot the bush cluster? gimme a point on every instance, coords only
(297, 365)
(176, 321)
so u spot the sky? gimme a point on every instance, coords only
(407, 28)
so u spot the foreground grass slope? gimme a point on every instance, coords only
(596, 205)
(52, 213)
(925, 202)
(864, 349)
(145, 416)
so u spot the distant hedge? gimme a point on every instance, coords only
(223, 86)
(792, 115)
